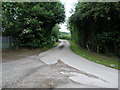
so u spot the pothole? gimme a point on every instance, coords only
(52, 76)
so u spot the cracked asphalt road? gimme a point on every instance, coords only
(57, 68)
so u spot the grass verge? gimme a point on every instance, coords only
(97, 58)
(55, 44)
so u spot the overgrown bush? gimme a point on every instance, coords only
(55, 33)
(95, 26)
(31, 23)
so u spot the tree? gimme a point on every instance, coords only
(95, 26)
(31, 23)
(55, 33)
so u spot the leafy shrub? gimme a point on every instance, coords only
(95, 26)
(31, 23)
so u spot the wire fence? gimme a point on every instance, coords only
(7, 42)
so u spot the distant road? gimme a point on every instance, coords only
(58, 68)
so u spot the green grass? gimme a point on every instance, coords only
(55, 44)
(66, 37)
(100, 59)
(47, 48)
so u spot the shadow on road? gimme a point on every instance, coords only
(61, 47)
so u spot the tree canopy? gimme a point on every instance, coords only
(31, 23)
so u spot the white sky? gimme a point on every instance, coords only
(69, 4)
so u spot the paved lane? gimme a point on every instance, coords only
(57, 68)
(64, 53)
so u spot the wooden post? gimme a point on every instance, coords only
(98, 48)
(87, 46)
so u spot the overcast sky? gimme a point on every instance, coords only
(69, 4)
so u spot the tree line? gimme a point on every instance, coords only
(96, 25)
(32, 24)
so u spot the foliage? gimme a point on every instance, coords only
(31, 23)
(55, 33)
(95, 26)
(65, 35)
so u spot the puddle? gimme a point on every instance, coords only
(83, 79)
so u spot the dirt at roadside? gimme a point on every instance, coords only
(10, 55)
(41, 75)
